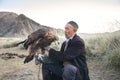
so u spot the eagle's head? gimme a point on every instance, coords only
(51, 36)
(48, 39)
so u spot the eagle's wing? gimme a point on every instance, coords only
(40, 33)
(32, 51)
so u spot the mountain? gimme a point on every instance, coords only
(14, 25)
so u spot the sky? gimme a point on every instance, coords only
(92, 16)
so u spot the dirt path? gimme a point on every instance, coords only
(12, 67)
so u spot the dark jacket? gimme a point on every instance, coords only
(75, 54)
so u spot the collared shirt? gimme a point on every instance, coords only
(69, 38)
(66, 42)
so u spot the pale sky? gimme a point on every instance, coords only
(92, 16)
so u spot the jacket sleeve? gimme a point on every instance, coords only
(75, 49)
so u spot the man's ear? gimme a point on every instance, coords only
(75, 30)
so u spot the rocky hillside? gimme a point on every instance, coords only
(14, 25)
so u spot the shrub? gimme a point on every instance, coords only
(114, 58)
(10, 45)
(88, 52)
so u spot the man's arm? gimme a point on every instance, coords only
(75, 49)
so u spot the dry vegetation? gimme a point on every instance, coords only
(103, 54)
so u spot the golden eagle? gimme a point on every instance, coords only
(38, 39)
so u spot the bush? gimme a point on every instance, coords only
(114, 58)
(10, 45)
(88, 52)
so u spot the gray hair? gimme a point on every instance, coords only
(73, 24)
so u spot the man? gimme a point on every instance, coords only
(71, 58)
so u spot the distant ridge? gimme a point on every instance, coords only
(14, 25)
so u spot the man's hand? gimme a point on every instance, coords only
(47, 48)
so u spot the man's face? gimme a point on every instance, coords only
(69, 31)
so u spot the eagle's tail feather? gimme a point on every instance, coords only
(20, 42)
(26, 44)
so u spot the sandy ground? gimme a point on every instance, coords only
(14, 68)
